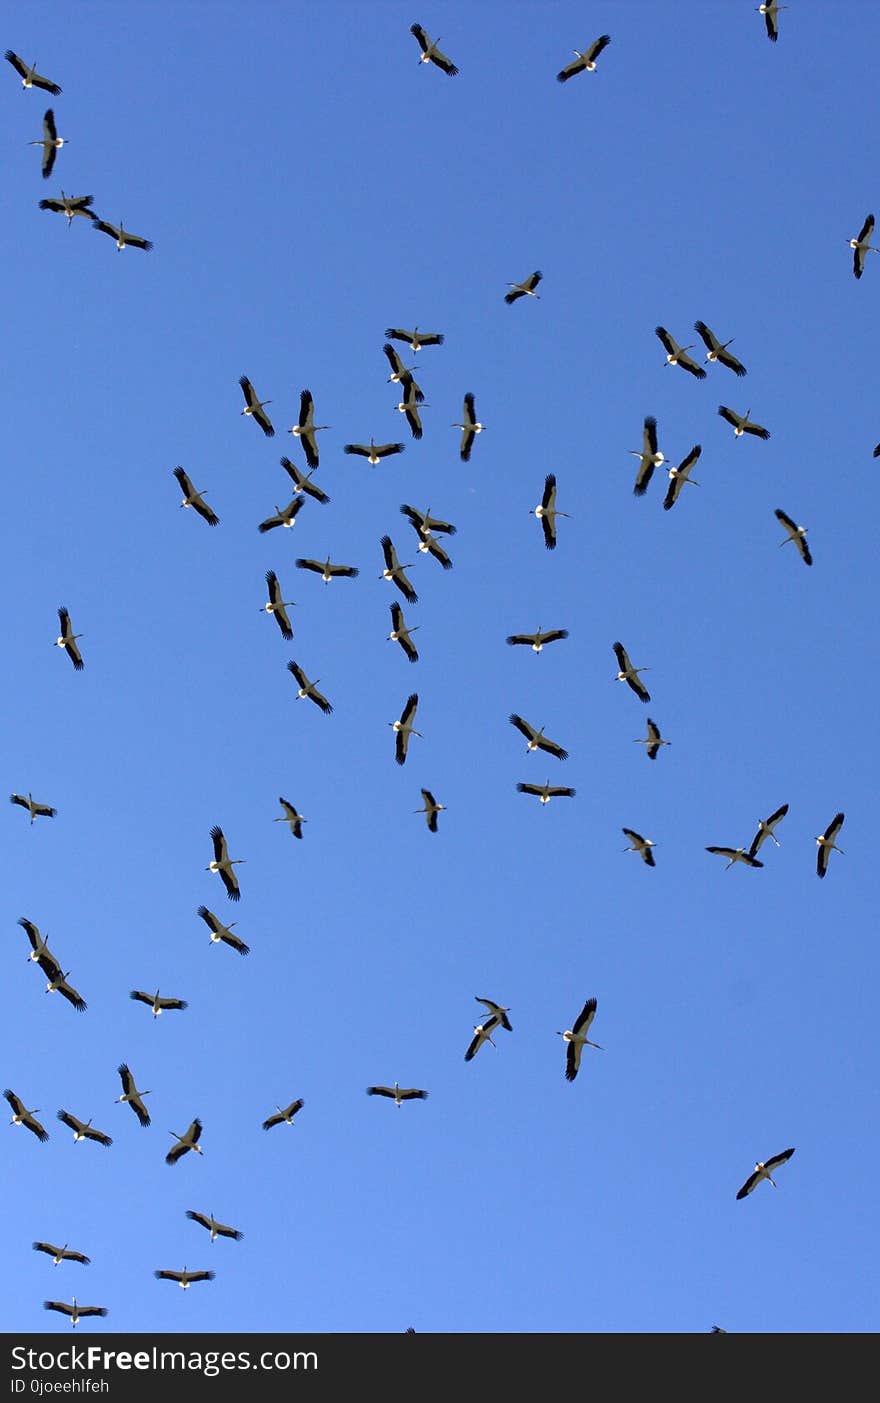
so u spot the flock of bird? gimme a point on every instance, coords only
(428, 531)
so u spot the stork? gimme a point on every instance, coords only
(430, 808)
(277, 606)
(71, 206)
(415, 339)
(652, 741)
(640, 845)
(30, 78)
(577, 1039)
(649, 456)
(309, 689)
(584, 62)
(523, 289)
(398, 1094)
(185, 1143)
(50, 141)
(536, 739)
(770, 10)
(431, 54)
(84, 1130)
(302, 482)
(373, 452)
(498, 1011)
(430, 545)
(61, 1254)
(219, 932)
(630, 674)
(284, 516)
(223, 864)
(285, 1115)
(34, 809)
(861, 246)
(677, 355)
(254, 407)
(536, 641)
(305, 428)
(424, 523)
(827, 844)
(409, 406)
(735, 855)
(156, 1003)
(795, 533)
(194, 499)
(131, 1094)
(327, 570)
(546, 792)
(679, 476)
(214, 1228)
(764, 1170)
(401, 634)
(122, 236)
(546, 511)
(184, 1278)
(290, 816)
(482, 1034)
(22, 1116)
(766, 828)
(470, 427)
(742, 424)
(67, 639)
(58, 982)
(403, 728)
(402, 374)
(718, 349)
(394, 572)
(75, 1311)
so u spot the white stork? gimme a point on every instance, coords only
(285, 1115)
(327, 570)
(156, 1003)
(219, 932)
(584, 62)
(61, 1254)
(648, 455)
(302, 482)
(75, 1311)
(643, 846)
(536, 739)
(58, 983)
(766, 828)
(431, 54)
(547, 513)
(497, 1011)
(194, 499)
(770, 10)
(403, 728)
(630, 674)
(50, 141)
(67, 639)
(470, 427)
(216, 1229)
(185, 1143)
(290, 816)
(224, 864)
(277, 607)
(305, 428)
(70, 206)
(415, 339)
(764, 1170)
(742, 424)
(398, 1094)
(84, 1130)
(717, 350)
(401, 374)
(409, 406)
(394, 571)
(184, 1278)
(431, 546)
(309, 689)
(122, 236)
(862, 246)
(22, 1116)
(30, 78)
(577, 1039)
(677, 355)
(430, 808)
(253, 407)
(652, 741)
(536, 641)
(795, 533)
(34, 809)
(735, 855)
(679, 476)
(424, 523)
(283, 516)
(546, 792)
(482, 1034)
(523, 289)
(401, 634)
(131, 1094)
(372, 451)
(827, 845)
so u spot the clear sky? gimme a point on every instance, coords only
(307, 184)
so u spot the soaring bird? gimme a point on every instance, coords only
(302, 482)
(305, 428)
(718, 349)
(735, 855)
(402, 375)
(403, 728)
(770, 10)
(61, 1254)
(290, 816)
(577, 1039)
(536, 641)
(253, 407)
(67, 639)
(470, 427)
(224, 864)
(156, 1003)
(796, 533)
(424, 523)
(219, 932)
(679, 476)
(640, 845)
(766, 830)
(548, 791)
(284, 1116)
(30, 78)
(122, 236)
(34, 809)
(630, 674)
(401, 634)
(653, 740)
(523, 289)
(70, 206)
(482, 1034)
(584, 62)
(216, 1229)
(431, 54)
(131, 1094)
(430, 808)
(648, 455)
(185, 1143)
(75, 1310)
(327, 570)
(764, 1170)
(536, 739)
(194, 499)
(415, 339)
(277, 606)
(22, 1116)
(283, 516)
(497, 1011)
(677, 355)
(309, 689)
(827, 844)
(861, 245)
(398, 1094)
(50, 141)
(84, 1130)
(547, 513)
(184, 1278)
(395, 572)
(742, 424)
(373, 452)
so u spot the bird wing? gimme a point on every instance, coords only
(413, 418)
(730, 360)
(389, 554)
(867, 229)
(398, 334)
(306, 409)
(381, 1090)
(709, 339)
(786, 521)
(834, 827)
(68, 992)
(776, 1160)
(511, 297)
(750, 1183)
(729, 415)
(529, 789)
(436, 550)
(409, 710)
(17, 1105)
(521, 725)
(670, 345)
(32, 931)
(690, 365)
(61, 1306)
(555, 635)
(474, 1045)
(18, 64)
(722, 852)
(424, 45)
(412, 1094)
(104, 228)
(97, 1135)
(514, 638)
(185, 482)
(230, 882)
(672, 492)
(220, 850)
(639, 688)
(573, 1052)
(756, 429)
(585, 1017)
(50, 131)
(250, 397)
(274, 588)
(597, 47)
(137, 242)
(320, 700)
(448, 67)
(622, 657)
(771, 23)
(571, 69)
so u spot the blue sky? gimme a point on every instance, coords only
(307, 184)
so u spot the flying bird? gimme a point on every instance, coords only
(536, 739)
(430, 545)
(219, 932)
(309, 689)
(577, 1039)
(71, 206)
(430, 809)
(395, 572)
(156, 1003)
(75, 1310)
(285, 1116)
(876, 453)
(861, 245)
(735, 855)
(224, 864)
(67, 639)
(34, 809)
(766, 830)
(61, 1254)
(498, 1011)
(536, 641)
(585, 62)
(50, 141)
(742, 424)
(796, 533)
(679, 476)
(431, 54)
(402, 374)
(184, 1278)
(546, 792)
(409, 406)
(764, 1170)
(194, 499)
(284, 516)
(677, 355)
(253, 407)
(640, 845)
(397, 1094)
(84, 1130)
(630, 674)
(424, 523)
(649, 456)
(546, 511)
(30, 78)
(22, 1116)
(482, 1034)
(302, 482)
(415, 339)
(770, 10)
(327, 570)
(290, 816)
(470, 427)
(122, 236)
(653, 740)
(374, 453)
(827, 845)
(305, 428)
(131, 1094)
(214, 1228)
(523, 289)
(185, 1143)
(718, 349)
(403, 728)
(277, 606)
(401, 634)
